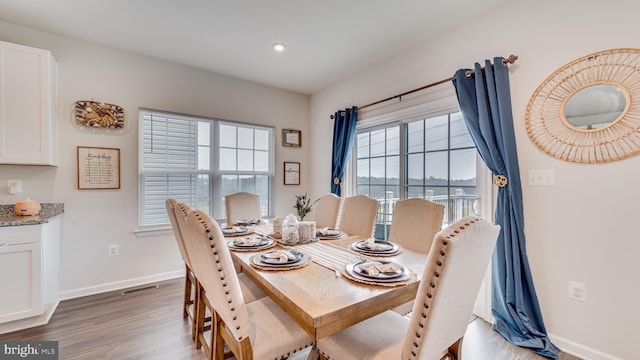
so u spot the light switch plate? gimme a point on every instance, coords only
(15, 186)
(545, 177)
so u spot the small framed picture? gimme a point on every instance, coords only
(98, 168)
(291, 138)
(292, 173)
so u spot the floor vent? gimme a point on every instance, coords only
(129, 291)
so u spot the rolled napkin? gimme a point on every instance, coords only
(233, 229)
(248, 241)
(371, 244)
(247, 222)
(374, 268)
(282, 255)
(328, 232)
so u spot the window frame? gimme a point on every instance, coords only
(434, 102)
(215, 191)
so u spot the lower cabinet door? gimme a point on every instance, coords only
(20, 281)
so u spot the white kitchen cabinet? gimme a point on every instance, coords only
(28, 127)
(29, 274)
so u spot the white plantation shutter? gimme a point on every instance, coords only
(176, 160)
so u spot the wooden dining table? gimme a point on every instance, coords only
(323, 300)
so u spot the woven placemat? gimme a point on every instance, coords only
(253, 263)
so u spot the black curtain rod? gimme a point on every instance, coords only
(510, 60)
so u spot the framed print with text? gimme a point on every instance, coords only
(291, 138)
(98, 168)
(292, 173)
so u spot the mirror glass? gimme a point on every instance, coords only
(595, 106)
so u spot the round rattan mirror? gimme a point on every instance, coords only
(588, 111)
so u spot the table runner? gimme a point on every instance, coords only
(330, 256)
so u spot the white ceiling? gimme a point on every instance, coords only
(326, 39)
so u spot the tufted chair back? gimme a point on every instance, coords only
(415, 222)
(358, 215)
(177, 232)
(242, 206)
(326, 210)
(214, 269)
(456, 264)
(181, 210)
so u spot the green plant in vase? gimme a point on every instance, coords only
(303, 205)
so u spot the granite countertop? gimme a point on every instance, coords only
(48, 211)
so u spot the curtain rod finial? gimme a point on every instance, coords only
(511, 59)
(331, 116)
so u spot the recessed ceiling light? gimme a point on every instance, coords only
(279, 47)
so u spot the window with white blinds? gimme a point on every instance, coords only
(200, 160)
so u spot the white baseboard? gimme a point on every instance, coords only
(582, 351)
(118, 285)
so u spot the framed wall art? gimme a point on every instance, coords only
(291, 138)
(292, 173)
(98, 168)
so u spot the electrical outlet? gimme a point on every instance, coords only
(577, 291)
(114, 250)
(15, 186)
(542, 178)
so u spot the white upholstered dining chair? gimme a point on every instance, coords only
(256, 330)
(358, 215)
(242, 206)
(201, 320)
(190, 283)
(326, 210)
(414, 224)
(456, 264)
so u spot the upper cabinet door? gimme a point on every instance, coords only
(28, 128)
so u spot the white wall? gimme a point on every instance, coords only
(583, 228)
(95, 218)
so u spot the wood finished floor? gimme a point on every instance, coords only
(148, 324)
